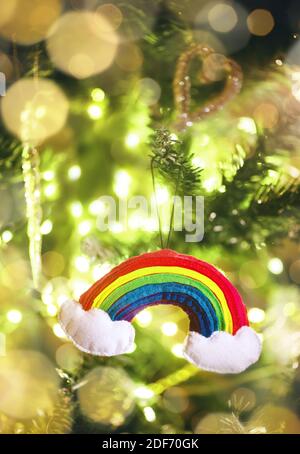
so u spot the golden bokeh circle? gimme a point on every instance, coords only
(28, 384)
(222, 17)
(68, 357)
(34, 110)
(28, 21)
(112, 13)
(53, 263)
(294, 271)
(82, 43)
(212, 423)
(129, 57)
(7, 10)
(106, 396)
(260, 22)
(266, 114)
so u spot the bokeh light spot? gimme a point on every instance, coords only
(222, 17)
(260, 22)
(28, 21)
(91, 49)
(53, 263)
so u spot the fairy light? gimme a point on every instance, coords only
(144, 318)
(169, 328)
(210, 184)
(177, 350)
(96, 207)
(149, 413)
(46, 227)
(198, 162)
(143, 392)
(74, 172)
(132, 140)
(150, 225)
(82, 264)
(162, 195)
(58, 331)
(278, 62)
(14, 316)
(84, 227)
(76, 209)
(275, 265)
(136, 221)
(48, 175)
(7, 236)
(101, 270)
(247, 124)
(116, 227)
(79, 286)
(293, 171)
(97, 95)
(94, 111)
(50, 190)
(122, 183)
(52, 310)
(61, 299)
(256, 315)
(47, 298)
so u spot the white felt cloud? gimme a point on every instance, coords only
(94, 332)
(223, 352)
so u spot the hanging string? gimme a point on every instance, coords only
(156, 205)
(170, 229)
(173, 209)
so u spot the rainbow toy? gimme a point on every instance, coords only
(219, 338)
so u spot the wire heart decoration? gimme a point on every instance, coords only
(182, 86)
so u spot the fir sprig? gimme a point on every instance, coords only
(172, 159)
(259, 211)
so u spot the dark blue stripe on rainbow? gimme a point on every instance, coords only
(190, 299)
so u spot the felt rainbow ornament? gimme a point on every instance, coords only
(219, 338)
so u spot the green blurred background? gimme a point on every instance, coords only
(88, 83)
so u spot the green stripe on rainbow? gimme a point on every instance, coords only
(166, 277)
